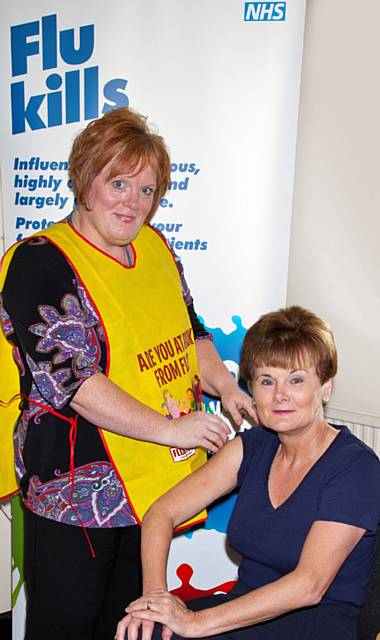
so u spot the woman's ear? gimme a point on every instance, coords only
(327, 389)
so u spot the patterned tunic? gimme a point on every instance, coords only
(58, 344)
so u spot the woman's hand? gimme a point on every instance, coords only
(128, 628)
(199, 429)
(216, 380)
(236, 402)
(167, 609)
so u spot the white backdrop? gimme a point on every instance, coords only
(221, 82)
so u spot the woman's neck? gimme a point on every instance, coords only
(299, 449)
(122, 253)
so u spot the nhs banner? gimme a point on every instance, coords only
(228, 112)
(264, 11)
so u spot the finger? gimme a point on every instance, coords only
(254, 415)
(208, 444)
(147, 630)
(166, 633)
(138, 605)
(121, 628)
(217, 438)
(235, 414)
(133, 629)
(248, 408)
(217, 423)
(152, 616)
(239, 405)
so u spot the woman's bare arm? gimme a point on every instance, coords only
(104, 404)
(326, 548)
(218, 381)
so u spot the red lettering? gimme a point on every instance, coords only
(179, 344)
(142, 364)
(160, 377)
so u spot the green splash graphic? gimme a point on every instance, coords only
(17, 546)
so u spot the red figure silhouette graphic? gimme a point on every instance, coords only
(186, 591)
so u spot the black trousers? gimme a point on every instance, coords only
(70, 594)
(322, 622)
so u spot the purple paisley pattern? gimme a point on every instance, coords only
(74, 337)
(72, 334)
(98, 498)
(5, 320)
(19, 440)
(68, 350)
(18, 360)
(51, 384)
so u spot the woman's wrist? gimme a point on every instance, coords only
(151, 590)
(198, 626)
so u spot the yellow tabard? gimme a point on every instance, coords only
(150, 352)
(9, 410)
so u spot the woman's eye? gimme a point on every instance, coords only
(266, 382)
(118, 184)
(147, 191)
(297, 380)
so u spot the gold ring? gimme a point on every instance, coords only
(148, 605)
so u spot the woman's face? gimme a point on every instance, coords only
(118, 207)
(289, 400)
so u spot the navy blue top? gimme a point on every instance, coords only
(342, 486)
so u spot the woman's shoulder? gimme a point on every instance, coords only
(258, 435)
(37, 271)
(259, 444)
(36, 254)
(352, 458)
(351, 447)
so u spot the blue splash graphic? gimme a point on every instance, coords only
(228, 346)
(219, 514)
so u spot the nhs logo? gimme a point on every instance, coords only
(264, 11)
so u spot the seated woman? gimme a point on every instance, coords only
(306, 514)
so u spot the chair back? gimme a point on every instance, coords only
(369, 623)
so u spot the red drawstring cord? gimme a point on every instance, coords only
(72, 439)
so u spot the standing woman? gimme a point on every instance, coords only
(99, 321)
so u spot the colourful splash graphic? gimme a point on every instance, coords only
(17, 548)
(187, 592)
(228, 346)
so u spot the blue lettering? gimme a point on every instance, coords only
(91, 93)
(21, 48)
(113, 91)
(49, 42)
(86, 45)
(22, 114)
(264, 11)
(72, 97)
(65, 93)
(54, 100)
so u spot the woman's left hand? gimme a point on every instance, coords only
(167, 609)
(237, 403)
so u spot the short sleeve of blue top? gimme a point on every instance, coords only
(343, 486)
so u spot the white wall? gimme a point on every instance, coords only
(334, 256)
(5, 558)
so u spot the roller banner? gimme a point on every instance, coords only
(220, 81)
